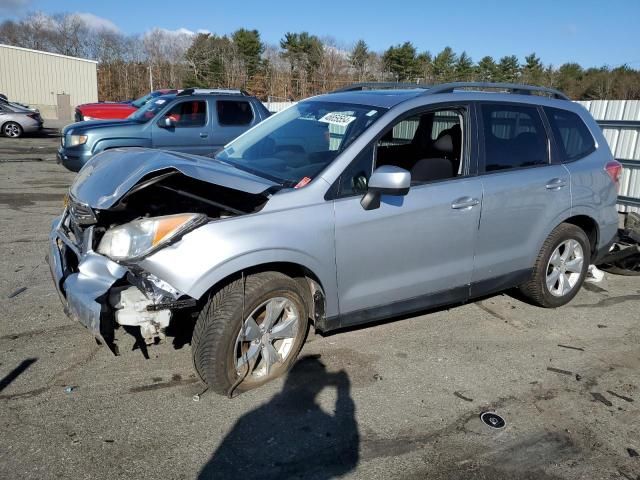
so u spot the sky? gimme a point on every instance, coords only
(590, 32)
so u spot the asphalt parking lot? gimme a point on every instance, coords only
(400, 399)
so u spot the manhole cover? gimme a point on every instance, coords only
(492, 420)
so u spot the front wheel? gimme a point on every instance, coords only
(250, 332)
(560, 268)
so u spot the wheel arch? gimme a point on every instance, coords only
(582, 220)
(310, 283)
(590, 227)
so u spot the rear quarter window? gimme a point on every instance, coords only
(572, 136)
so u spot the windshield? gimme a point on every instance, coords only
(295, 145)
(144, 99)
(150, 110)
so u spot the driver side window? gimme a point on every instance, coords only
(429, 145)
(189, 114)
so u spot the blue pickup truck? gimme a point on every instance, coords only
(197, 121)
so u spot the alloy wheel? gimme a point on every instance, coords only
(12, 130)
(564, 268)
(266, 338)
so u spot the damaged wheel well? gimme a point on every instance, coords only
(309, 282)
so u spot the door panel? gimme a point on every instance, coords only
(523, 194)
(410, 247)
(192, 131)
(517, 209)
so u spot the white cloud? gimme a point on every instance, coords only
(91, 21)
(178, 32)
(97, 23)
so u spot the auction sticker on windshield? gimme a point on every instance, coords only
(337, 118)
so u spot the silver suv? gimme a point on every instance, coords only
(345, 208)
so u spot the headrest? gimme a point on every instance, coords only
(444, 143)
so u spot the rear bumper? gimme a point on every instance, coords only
(32, 127)
(83, 286)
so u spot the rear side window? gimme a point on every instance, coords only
(514, 137)
(572, 136)
(231, 112)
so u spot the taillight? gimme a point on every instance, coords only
(614, 169)
(33, 115)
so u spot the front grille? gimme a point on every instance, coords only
(81, 213)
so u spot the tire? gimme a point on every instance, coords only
(536, 289)
(12, 130)
(219, 351)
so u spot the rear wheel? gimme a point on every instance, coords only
(12, 130)
(250, 341)
(560, 268)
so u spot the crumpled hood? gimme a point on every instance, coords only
(111, 174)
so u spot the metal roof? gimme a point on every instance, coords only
(2, 45)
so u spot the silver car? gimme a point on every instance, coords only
(345, 208)
(15, 120)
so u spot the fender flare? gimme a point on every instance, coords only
(257, 258)
(574, 211)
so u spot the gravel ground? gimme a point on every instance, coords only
(399, 399)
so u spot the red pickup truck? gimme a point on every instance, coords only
(115, 110)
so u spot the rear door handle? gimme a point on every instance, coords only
(464, 203)
(203, 135)
(555, 184)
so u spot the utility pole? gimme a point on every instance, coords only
(150, 79)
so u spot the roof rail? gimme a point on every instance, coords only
(379, 86)
(511, 87)
(212, 91)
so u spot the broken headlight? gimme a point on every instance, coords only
(141, 237)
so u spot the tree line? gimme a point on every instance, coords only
(301, 64)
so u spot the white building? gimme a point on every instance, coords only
(52, 83)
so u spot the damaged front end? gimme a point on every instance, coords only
(97, 244)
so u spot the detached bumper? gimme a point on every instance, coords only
(83, 279)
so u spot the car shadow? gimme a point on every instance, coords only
(290, 436)
(44, 133)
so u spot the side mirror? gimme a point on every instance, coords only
(167, 122)
(386, 180)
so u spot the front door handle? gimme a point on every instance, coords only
(555, 184)
(203, 135)
(464, 203)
